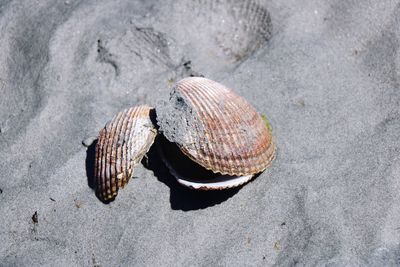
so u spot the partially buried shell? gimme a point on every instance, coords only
(121, 144)
(218, 130)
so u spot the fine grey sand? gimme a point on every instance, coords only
(326, 73)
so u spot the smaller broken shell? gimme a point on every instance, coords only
(121, 145)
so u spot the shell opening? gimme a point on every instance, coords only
(190, 174)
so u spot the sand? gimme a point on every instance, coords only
(324, 72)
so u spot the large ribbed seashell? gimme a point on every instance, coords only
(216, 129)
(121, 145)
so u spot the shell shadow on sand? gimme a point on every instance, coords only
(89, 164)
(183, 198)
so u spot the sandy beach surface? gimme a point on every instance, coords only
(326, 73)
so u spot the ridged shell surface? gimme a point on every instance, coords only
(121, 145)
(216, 128)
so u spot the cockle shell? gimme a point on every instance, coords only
(216, 129)
(121, 145)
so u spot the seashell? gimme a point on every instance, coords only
(235, 30)
(216, 129)
(121, 145)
